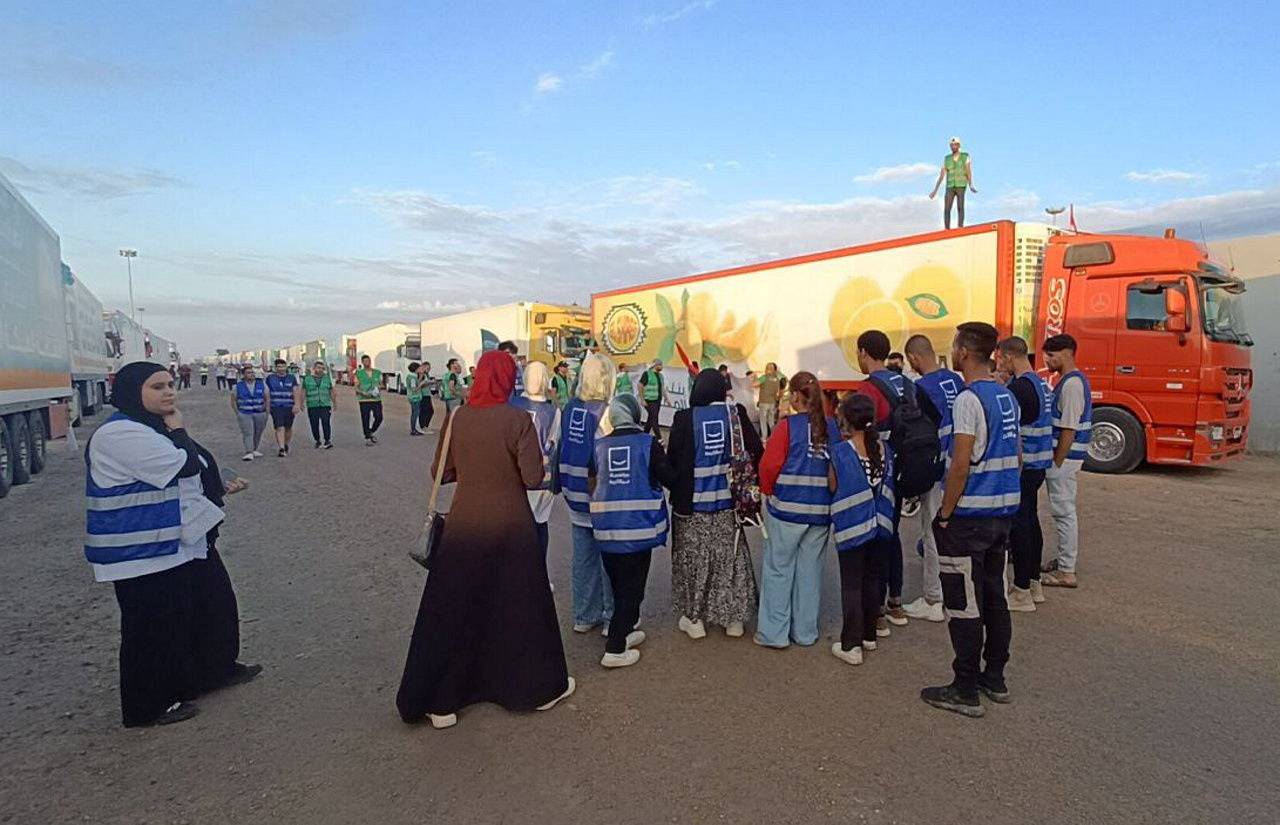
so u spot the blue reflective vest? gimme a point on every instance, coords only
(712, 449)
(860, 513)
(1080, 446)
(1037, 438)
(800, 494)
(628, 513)
(901, 387)
(281, 388)
(130, 521)
(543, 414)
(942, 386)
(251, 398)
(578, 423)
(994, 486)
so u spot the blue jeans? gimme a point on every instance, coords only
(414, 407)
(592, 595)
(791, 582)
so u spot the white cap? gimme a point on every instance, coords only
(954, 140)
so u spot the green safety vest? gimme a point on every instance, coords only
(449, 386)
(561, 386)
(317, 390)
(957, 176)
(653, 386)
(368, 383)
(413, 386)
(624, 384)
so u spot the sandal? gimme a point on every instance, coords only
(1059, 578)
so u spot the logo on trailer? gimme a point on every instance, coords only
(624, 329)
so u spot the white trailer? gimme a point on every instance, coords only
(387, 345)
(129, 341)
(90, 357)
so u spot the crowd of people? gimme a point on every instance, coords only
(964, 450)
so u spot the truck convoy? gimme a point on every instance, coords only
(1160, 328)
(91, 363)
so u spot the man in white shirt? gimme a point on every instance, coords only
(1072, 422)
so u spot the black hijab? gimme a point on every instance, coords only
(708, 388)
(126, 393)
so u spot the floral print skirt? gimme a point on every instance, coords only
(712, 578)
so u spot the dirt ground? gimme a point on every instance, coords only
(1152, 694)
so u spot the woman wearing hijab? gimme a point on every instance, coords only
(546, 423)
(629, 519)
(486, 629)
(712, 579)
(146, 522)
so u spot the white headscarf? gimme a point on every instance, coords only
(536, 380)
(595, 378)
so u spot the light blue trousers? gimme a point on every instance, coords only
(592, 594)
(791, 582)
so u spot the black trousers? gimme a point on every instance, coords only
(1026, 540)
(222, 382)
(370, 417)
(320, 420)
(955, 194)
(204, 380)
(426, 411)
(215, 626)
(628, 573)
(654, 409)
(156, 655)
(184, 382)
(860, 593)
(971, 562)
(544, 538)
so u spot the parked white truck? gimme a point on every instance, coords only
(90, 358)
(385, 345)
(549, 333)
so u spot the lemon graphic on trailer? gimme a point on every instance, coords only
(934, 296)
(860, 305)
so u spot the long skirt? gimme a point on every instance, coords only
(155, 643)
(712, 580)
(215, 630)
(486, 629)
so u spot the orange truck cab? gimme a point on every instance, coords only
(1163, 341)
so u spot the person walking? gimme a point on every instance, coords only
(957, 171)
(655, 395)
(793, 476)
(1026, 540)
(451, 389)
(1072, 428)
(231, 373)
(369, 399)
(486, 629)
(628, 518)
(546, 423)
(861, 483)
(220, 374)
(624, 384)
(582, 421)
(204, 375)
(413, 392)
(286, 403)
(426, 408)
(249, 401)
(560, 385)
(768, 389)
(937, 388)
(972, 527)
(712, 578)
(184, 377)
(317, 387)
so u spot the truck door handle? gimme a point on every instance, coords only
(1126, 369)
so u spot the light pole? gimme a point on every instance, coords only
(129, 255)
(1055, 211)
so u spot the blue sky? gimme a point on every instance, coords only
(297, 169)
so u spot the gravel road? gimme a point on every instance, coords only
(1152, 694)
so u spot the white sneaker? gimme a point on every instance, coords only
(733, 630)
(624, 659)
(442, 722)
(853, 657)
(1020, 601)
(868, 645)
(587, 628)
(257, 454)
(695, 630)
(573, 685)
(635, 638)
(247, 457)
(1037, 592)
(921, 608)
(605, 630)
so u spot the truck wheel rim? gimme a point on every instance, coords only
(1107, 442)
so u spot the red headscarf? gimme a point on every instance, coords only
(495, 379)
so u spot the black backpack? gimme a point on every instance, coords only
(917, 452)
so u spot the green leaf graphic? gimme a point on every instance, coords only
(710, 349)
(684, 303)
(927, 306)
(665, 315)
(668, 346)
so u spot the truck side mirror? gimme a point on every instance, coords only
(1175, 310)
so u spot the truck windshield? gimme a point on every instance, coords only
(1223, 310)
(573, 341)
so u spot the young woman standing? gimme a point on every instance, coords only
(861, 482)
(546, 423)
(793, 474)
(249, 400)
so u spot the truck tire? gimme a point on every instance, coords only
(1118, 444)
(20, 439)
(6, 459)
(39, 441)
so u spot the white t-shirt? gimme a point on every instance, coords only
(125, 452)
(968, 418)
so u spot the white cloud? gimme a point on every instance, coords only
(102, 184)
(547, 82)
(1224, 215)
(661, 19)
(1163, 176)
(903, 171)
(597, 65)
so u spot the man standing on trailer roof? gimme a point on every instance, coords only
(957, 171)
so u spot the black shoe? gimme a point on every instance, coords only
(994, 688)
(947, 697)
(286, 449)
(318, 445)
(328, 445)
(282, 452)
(373, 439)
(242, 673)
(180, 712)
(415, 432)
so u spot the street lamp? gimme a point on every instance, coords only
(129, 255)
(1055, 211)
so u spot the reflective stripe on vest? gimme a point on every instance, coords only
(1037, 437)
(711, 452)
(251, 398)
(993, 488)
(628, 514)
(543, 414)
(1080, 444)
(800, 494)
(942, 386)
(859, 512)
(130, 521)
(578, 423)
(281, 389)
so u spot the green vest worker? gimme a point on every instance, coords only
(369, 394)
(413, 390)
(654, 394)
(957, 171)
(560, 384)
(317, 387)
(624, 383)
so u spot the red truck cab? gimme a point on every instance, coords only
(1161, 337)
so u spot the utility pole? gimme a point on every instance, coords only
(129, 255)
